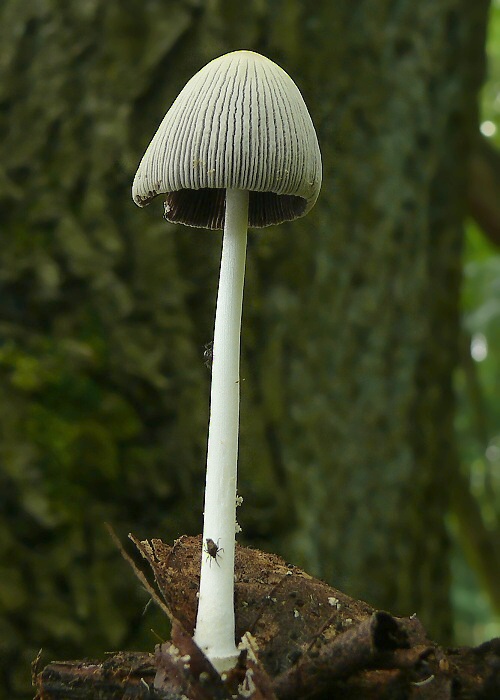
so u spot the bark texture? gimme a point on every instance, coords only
(350, 315)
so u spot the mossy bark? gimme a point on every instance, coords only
(350, 315)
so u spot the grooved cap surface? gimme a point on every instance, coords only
(241, 123)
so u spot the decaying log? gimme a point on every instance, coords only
(301, 639)
(122, 675)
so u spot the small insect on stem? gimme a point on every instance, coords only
(212, 550)
(208, 354)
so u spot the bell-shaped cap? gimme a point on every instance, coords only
(240, 123)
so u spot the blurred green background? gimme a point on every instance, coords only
(105, 311)
(478, 386)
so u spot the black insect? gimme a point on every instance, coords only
(208, 354)
(212, 550)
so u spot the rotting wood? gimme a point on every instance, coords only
(302, 640)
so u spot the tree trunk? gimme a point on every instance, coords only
(361, 400)
(350, 315)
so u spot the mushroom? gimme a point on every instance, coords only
(237, 148)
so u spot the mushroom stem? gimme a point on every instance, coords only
(214, 632)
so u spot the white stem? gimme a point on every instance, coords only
(214, 632)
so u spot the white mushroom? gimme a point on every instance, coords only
(236, 149)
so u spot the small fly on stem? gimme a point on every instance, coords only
(212, 550)
(208, 354)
